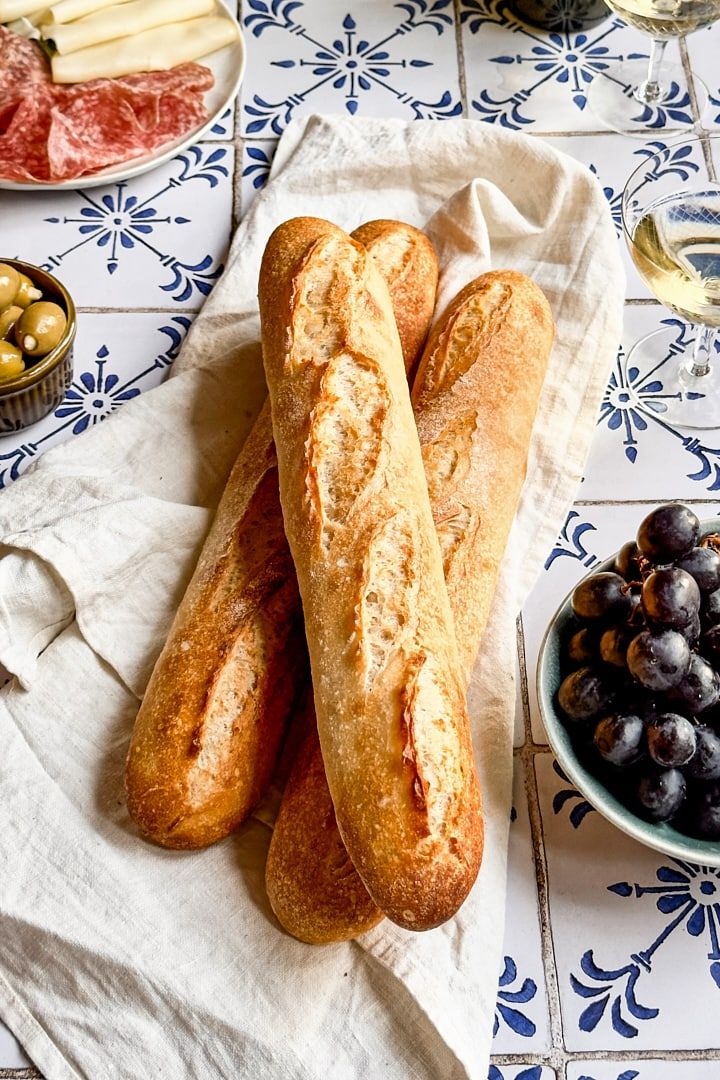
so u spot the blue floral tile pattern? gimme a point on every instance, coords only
(523, 78)
(381, 59)
(521, 1011)
(107, 376)
(654, 1069)
(256, 161)
(520, 1072)
(617, 990)
(158, 240)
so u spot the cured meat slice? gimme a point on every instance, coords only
(50, 133)
(108, 123)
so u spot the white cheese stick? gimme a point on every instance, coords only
(121, 20)
(18, 9)
(67, 10)
(27, 26)
(153, 50)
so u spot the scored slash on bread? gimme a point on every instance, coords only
(475, 399)
(206, 737)
(389, 692)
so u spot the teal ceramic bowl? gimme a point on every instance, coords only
(661, 836)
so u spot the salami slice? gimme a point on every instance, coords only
(50, 133)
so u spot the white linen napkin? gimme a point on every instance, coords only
(119, 959)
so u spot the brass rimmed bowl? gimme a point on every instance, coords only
(41, 387)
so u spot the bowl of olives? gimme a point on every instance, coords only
(37, 331)
(628, 683)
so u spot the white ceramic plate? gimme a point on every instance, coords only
(228, 67)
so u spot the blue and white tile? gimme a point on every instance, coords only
(118, 356)
(634, 434)
(383, 59)
(158, 240)
(527, 79)
(702, 48)
(257, 156)
(12, 1055)
(626, 921)
(589, 535)
(646, 1069)
(613, 157)
(521, 1072)
(521, 1012)
(223, 130)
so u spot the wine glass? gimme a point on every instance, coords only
(671, 219)
(625, 98)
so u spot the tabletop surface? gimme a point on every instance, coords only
(612, 952)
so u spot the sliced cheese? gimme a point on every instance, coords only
(28, 25)
(153, 50)
(67, 10)
(121, 20)
(18, 9)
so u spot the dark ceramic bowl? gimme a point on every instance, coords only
(662, 836)
(39, 389)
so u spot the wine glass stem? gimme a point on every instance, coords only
(650, 91)
(700, 362)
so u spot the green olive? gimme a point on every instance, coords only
(8, 318)
(40, 328)
(27, 293)
(11, 361)
(9, 284)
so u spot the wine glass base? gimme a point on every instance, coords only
(611, 99)
(664, 384)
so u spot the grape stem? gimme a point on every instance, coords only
(650, 91)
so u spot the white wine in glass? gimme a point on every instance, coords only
(625, 99)
(673, 233)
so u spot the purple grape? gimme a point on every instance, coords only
(658, 659)
(710, 646)
(668, 533)
(620, 738)
(700, 687)
(705, 762)
(614, 645)
(661, 793)
(711, 608)
(692, 631)
(702, 563)
(704, 810)
(582, 648)
(671, 740)
(670, 598)
(584, 694)
(602, 596)
(627, 562)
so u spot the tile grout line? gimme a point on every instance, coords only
(237, 208)
(547, 944)
(685, 61)
(460, 59)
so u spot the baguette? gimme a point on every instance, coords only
(206, 738)
(474, 436)
(389, 694)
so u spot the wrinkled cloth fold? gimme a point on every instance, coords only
(119, 959)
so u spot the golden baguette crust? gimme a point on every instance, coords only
(475, 398)
(475, 438)
(207, 734)
(388, 688)
(407, 260)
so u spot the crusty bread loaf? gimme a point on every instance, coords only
(207, 734)
(389, 694)
(407, 260)
(475, 399)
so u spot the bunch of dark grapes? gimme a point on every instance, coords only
(642, 689)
